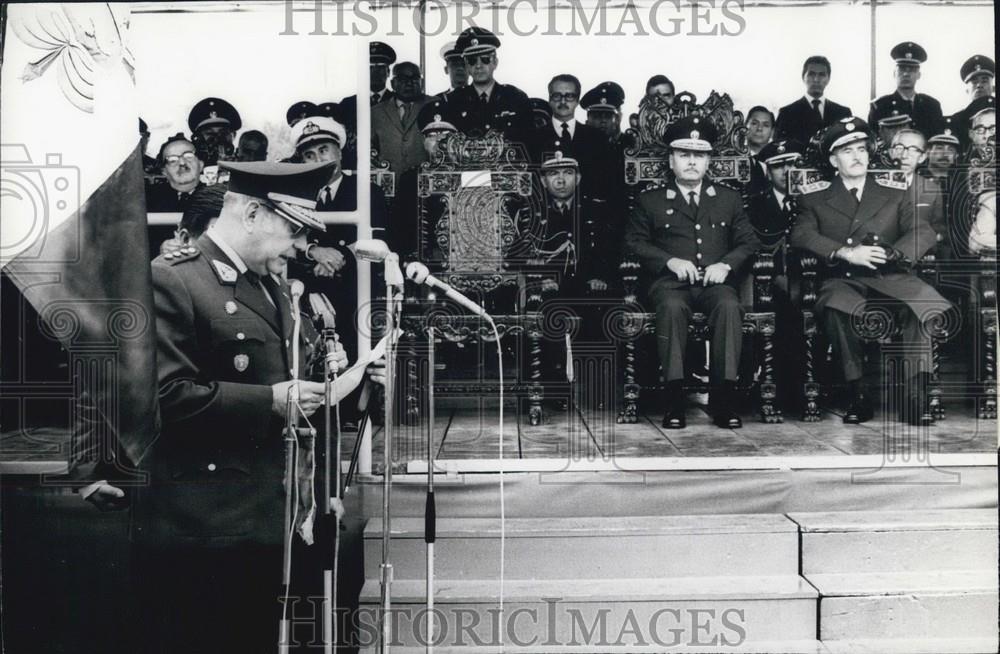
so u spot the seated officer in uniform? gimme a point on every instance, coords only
(213, 123)
(208, 528)
(693, 238)
(868, 234)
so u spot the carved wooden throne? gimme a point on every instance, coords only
(646, 164)
(476, 203)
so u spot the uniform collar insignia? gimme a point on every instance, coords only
(226, 272)
(671, 194)
(710, 191)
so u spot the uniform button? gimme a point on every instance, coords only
(697, 226)
(850, 241)
(698, 255)
(211, 467)
(240, 336)
(847, 274)
(698, 241)
(287, 342)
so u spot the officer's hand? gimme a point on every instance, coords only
(684, 269)
(549, 286)
(330, 259)
(339, 357)
(321, 270)
(309, 396)
(376, 371)
(597, 285)
(338, 507)
(715, 274)
(108, 498)
(868, 256)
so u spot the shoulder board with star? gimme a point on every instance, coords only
(655, 187)
(186, 253)
(815, 187)
(888, 182)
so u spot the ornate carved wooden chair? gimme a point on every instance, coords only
(874, 325)
(382, 177)
(645, 165)
(476, 202)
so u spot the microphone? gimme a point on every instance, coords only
(418, 272)
(297, 289)
(371, 249)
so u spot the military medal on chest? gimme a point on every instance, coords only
(241, 362)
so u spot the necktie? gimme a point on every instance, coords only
(786, 206)
(815, 104)
(857, 197)
(375, 98)
(566, 137)
(404, 111)
(693, 201)
(327, 197)
(483, 98)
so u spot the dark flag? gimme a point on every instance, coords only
(73, 233)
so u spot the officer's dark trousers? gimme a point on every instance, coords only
(674, 307)
(841, 331)
(198, 600)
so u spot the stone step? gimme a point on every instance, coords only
(951, 605)
(753, 613)
(898, 541)
(591, 548)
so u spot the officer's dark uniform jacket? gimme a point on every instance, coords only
(924, 110)
(216, 469)
(663, 226)
(771, 221)
(508, 111)
(830, 219)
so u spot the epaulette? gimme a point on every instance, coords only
(655, 187)
(186, 253)
(812, 187)
(888, 182)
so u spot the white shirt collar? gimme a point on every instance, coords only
(822, 100)
(570, 125)
(216, 237)
(858, 185)
(488, 90)
(686, 192)
(333, 189)
(779, 196)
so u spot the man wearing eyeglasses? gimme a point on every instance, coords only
(181, 170)
(983, 130)
(978, 73)
(486, 104)
(575, 140)
(394, 123)
(908, 149)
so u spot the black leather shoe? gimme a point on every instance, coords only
(674, 418)
(727, 419)
(859, 410)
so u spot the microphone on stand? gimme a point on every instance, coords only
(419, 273)
(373, 249)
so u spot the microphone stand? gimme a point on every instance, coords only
(394, 303)
(330, 620)
(430, 510)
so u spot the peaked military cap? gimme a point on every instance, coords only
(434, 117)
(214, 111)
(476, 40)
(778, 152)
(693, 133)
(290, 188)
(315, 129)
(540, 106)
(450, 51)
(381, 53)
(299, 110)
(331, 110)
(846, 130)
(977, 64)
(947, 134)
(908, 52)
(606, 95)
(896, 119)
(557, 160)
(978, 106)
